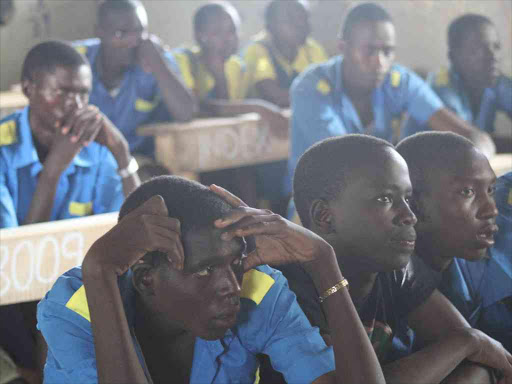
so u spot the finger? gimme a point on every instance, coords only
(251, 261)
(170, 243)
(91, 132)
(238, 214)
(231, 199)
(154, 205)
(263, 228)
(83, 125)
(164, 222)
(247, 222)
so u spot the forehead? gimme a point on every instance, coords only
(219, 18)
(468, 165)
(479, 34)
(290, 10)
(385, 169)
(373, 33)
(125, 19)
(67, 77)
(204, 246)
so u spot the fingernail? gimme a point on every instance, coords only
(74, 139)
(65, 130)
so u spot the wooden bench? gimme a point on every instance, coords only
(32, 257)
(11, 101)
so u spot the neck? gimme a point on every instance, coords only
(110, 71)
(434, 258)
(288, 51)
(360, 279)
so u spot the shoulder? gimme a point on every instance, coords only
(318, 80)
(87, 47)
(9, 138)
(254, 50)
(314, 46)
(400, 77)
(259, 282)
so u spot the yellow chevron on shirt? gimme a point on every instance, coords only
(395, 78)
(323, 87)
(8, 132)
(78, 303)
(142, 105)
(256, 285)
(80, 209)
(82, 49)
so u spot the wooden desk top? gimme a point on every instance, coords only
(12, 100)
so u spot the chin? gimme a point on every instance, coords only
(213, 334)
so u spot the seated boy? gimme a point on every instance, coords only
(458, 235)
(276, 56)
(354, 192)
(217, 77)
(364, 91)
(61, 157)
(135, 81)
(163, 297)
(474, 87)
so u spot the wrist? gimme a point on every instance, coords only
(324, 270)
(50, 173)
(92, 269)
(121, 152)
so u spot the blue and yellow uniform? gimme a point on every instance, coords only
(322, 109)
(270, 321)
(198, 79)
(89, 185)
(449, 87)
(263, 61)
(136, 102)
(482, 290)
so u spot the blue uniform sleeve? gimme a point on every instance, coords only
(71, 357)
(8, 216)
(279, 328)
(314, 117)
(504, 93)
(109, 194)
(420, 100)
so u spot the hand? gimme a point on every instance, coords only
(82, 125)
(62, 152)
(278, 241)
(110, 136)
(491, 353)
(147, 228)
(148, 52)
(275, 118)
(484, 142)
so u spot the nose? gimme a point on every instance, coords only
(380, 59)
(405, 216)
(74, 101)
(229, 285)
(488, 209)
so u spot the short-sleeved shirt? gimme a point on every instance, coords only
(383, 312)
(89, 185)
(137, 102)
(322, 109)
(198, 79)
(450, 88)
(263, 61)
(270, 321)
(482, 290)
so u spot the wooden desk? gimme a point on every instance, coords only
(11, 101)
(32, 257)
(215, 143)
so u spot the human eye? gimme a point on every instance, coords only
(204, 272)
(467, 192)
(386, 199)
(388, 51)
(492, 190)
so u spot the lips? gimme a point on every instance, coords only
(226, 319)
(405, 241)
(485, 236)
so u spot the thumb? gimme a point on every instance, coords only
(251, 261)
(155, 205)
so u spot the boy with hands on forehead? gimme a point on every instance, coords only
(169, 292)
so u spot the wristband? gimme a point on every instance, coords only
(129, 170)
(333, 289)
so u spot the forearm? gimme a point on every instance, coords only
(470, 373)
(116, 359)
(44, 196)
(355, 357)
(178, 99)
(433, 363)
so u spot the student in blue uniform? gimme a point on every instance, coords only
(61, 157)
(474, 87)
(354, 192)
(181, 299)
(459, 231)
(362, 91)
(135, 81)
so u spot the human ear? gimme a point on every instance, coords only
(321, 216)
(143, 278)
(28, 88)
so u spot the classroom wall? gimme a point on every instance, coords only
(421, 26)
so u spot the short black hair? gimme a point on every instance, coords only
(193, 204)
(272, 9)
(47, 56)
(461, 26)
(322, 170)
(108, 6)
(363, 13)
(204, 12)
(426, 153)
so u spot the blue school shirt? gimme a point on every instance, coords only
(89, 185)
(482, 290)
(449, 87)
(270, 321)
(321, 109)
(138, 101)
